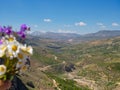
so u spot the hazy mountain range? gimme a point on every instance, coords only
(73, 36)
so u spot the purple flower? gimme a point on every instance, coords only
(21, 34)
(23, 27)
(8, 30)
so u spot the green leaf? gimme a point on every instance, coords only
(5, 77)
(1, 76)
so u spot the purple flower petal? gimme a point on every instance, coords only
(8, 30)
(23, 35)
(19, 33)
(23, 27)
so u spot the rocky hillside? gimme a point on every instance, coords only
(89, 65)
(96, 63)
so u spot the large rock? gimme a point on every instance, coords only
(17, 84)
(30, 84)
(69, 68)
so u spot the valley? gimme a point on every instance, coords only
(63, 65)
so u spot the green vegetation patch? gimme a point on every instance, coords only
(66, 84)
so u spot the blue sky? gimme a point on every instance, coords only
(68, 16)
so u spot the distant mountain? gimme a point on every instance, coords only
(77, 37)
(53, 35)
(104, 33)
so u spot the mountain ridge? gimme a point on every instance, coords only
(76, 38)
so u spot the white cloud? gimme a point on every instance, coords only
(80, 24)
(47, 20)
(65, 31)
(115, 24)
(101, 25)
(35, 26)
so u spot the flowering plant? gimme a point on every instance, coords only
(14, 55)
